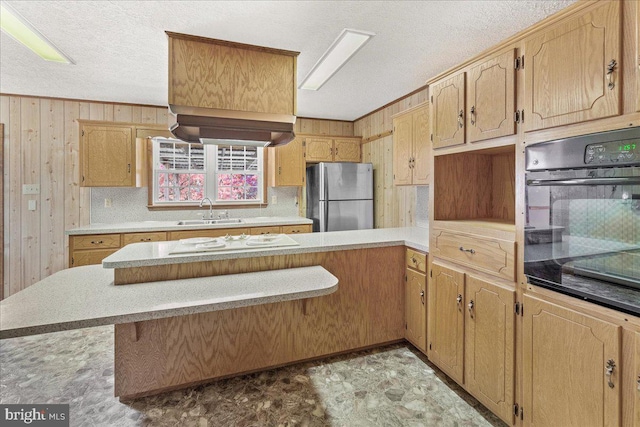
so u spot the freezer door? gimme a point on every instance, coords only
(346, 215)
(346, 181)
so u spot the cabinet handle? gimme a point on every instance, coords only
(611, 365)
(638, 382)
(473, 115)
(470, 305)
(611, 67)
(279, 170)
(471, 251)
(459, 299)
(460, 117)
(422, 297)
(414, 260)
(99, 242)
(336, 151)
(129, 168)
(148, 239)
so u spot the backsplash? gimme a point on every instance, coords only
(130, 205)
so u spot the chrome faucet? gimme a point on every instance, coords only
(210, 206)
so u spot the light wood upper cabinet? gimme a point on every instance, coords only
(489, 345)
(329, 149)
(346, 150)
(491, 98)
(107, 156)
(411, 148)
(638, 62)
(566, 359)
(287, 165)
(447, 114)
(573, 70)
(446, 320)
(319, 149)
(402, 149)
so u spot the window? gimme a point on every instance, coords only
(184, 174)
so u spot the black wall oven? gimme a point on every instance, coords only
(582, 233)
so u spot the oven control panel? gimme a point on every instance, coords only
(613, 152)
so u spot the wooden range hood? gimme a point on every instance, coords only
(231, 93)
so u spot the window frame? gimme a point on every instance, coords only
(210, 156)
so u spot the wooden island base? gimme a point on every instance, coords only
(367, 310)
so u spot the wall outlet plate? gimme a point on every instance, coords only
(31, 189)
(108, 203)
(274, 200)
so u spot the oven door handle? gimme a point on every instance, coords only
(625, 180)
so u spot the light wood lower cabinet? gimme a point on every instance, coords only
(446, 320)
(567, 356)
(416, 300)
(93, 248)
(471, 335)
(489, 345)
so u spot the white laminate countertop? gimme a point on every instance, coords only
(83, 297)
(142, 226)
(157, 253)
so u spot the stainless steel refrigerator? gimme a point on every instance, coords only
(340, 196)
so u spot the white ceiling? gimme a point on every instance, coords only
(120, 48)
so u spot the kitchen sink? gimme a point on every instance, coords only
(210, 221)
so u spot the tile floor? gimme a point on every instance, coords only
(388, 386)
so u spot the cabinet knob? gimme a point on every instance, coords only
(459, 299)
(470, 306)
(610, 367)
(414, 260)
(473, 115)
(422, 297)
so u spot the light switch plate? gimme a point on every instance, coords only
(108, 203)
(274, 200)
(31, 189)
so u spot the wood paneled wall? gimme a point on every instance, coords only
(323, 127)
(394, 206)
(41, 145)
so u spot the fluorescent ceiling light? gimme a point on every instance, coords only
(22, 31)
(348, 43)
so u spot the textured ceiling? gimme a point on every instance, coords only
(120, 48)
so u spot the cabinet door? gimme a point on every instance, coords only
(421, 147)
(566, 354)
(211, 232)
(446, 320)
(107, 154)
(489, 345)
(402, 135)
(566, 68)
(447, 115)
(416, 309)
(491, 98)
(79, 258)
(295, 229)
(346, 150)
(265, 230)
(319, 149)
(157, 236)
(289, 168)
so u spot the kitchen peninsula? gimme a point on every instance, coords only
(165, 349)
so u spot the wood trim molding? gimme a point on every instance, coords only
(93, 101)
(388, 104)
(376, 137)
(410, 109)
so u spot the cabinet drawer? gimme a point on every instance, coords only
(487, 254)
(296, 229)
(90, 257)
(213, 232)
(416, 260)
(96, 241)
(265, 230)
(143, 237)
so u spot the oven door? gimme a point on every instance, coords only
(582, 235)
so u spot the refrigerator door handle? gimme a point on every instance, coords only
(325, 183)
